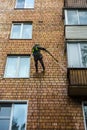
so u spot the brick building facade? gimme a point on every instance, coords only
(43, 98)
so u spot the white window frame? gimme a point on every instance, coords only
(24, 5)
(21, 30)
(18, 66)
(66, 17)
(79, 50)
(12, 105)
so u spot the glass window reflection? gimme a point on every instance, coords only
(84, 54)
(11, 67)
(4, 124)
(83, 17)
(13, 116)
(24, 67)
(25, 4)
(75, 17)
(20, 3)
(21, 31)
(5, 110)
(27, 29)
(73, 58)
(72, 17)
(79, 57)
(17, 66)
(85, 113)
(19, 116)
(16, 30)
(29, 4)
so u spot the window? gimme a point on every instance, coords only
(21, 31)
(13, 116)
(17, 67)
(24, 3)
(76, 17)
(77, 54)
(85, 114)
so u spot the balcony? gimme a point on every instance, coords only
(77, 81)
(75, 3)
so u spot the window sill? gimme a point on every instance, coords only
(24, 8)
(16, 77)
(19, 39)
(75, 24)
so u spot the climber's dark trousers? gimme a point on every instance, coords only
(36, 64)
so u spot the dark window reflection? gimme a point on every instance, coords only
(4, 124)
(5, 110)
(84, 54)
(85, 112)
(19, 116)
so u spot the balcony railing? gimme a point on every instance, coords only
(75, 3)
(77, 81)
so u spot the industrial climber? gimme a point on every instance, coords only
(38, 56)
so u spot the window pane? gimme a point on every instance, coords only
(73, 55)
(20, 4)
(19, 116)
(5, 110)
(84, 54)
(29, 4)
(4, 124)
(27, 31)
(83, 17)
(72, 17)
(24, 67)
(16, 30)
(11, 67)
(85, 112)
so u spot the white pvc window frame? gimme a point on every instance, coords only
(17, 67)
(12, 102)
(77, 13)
(25, 5)
(21, 30)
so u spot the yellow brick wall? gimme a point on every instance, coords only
(49, 104)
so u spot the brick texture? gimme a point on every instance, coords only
(50, 107)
